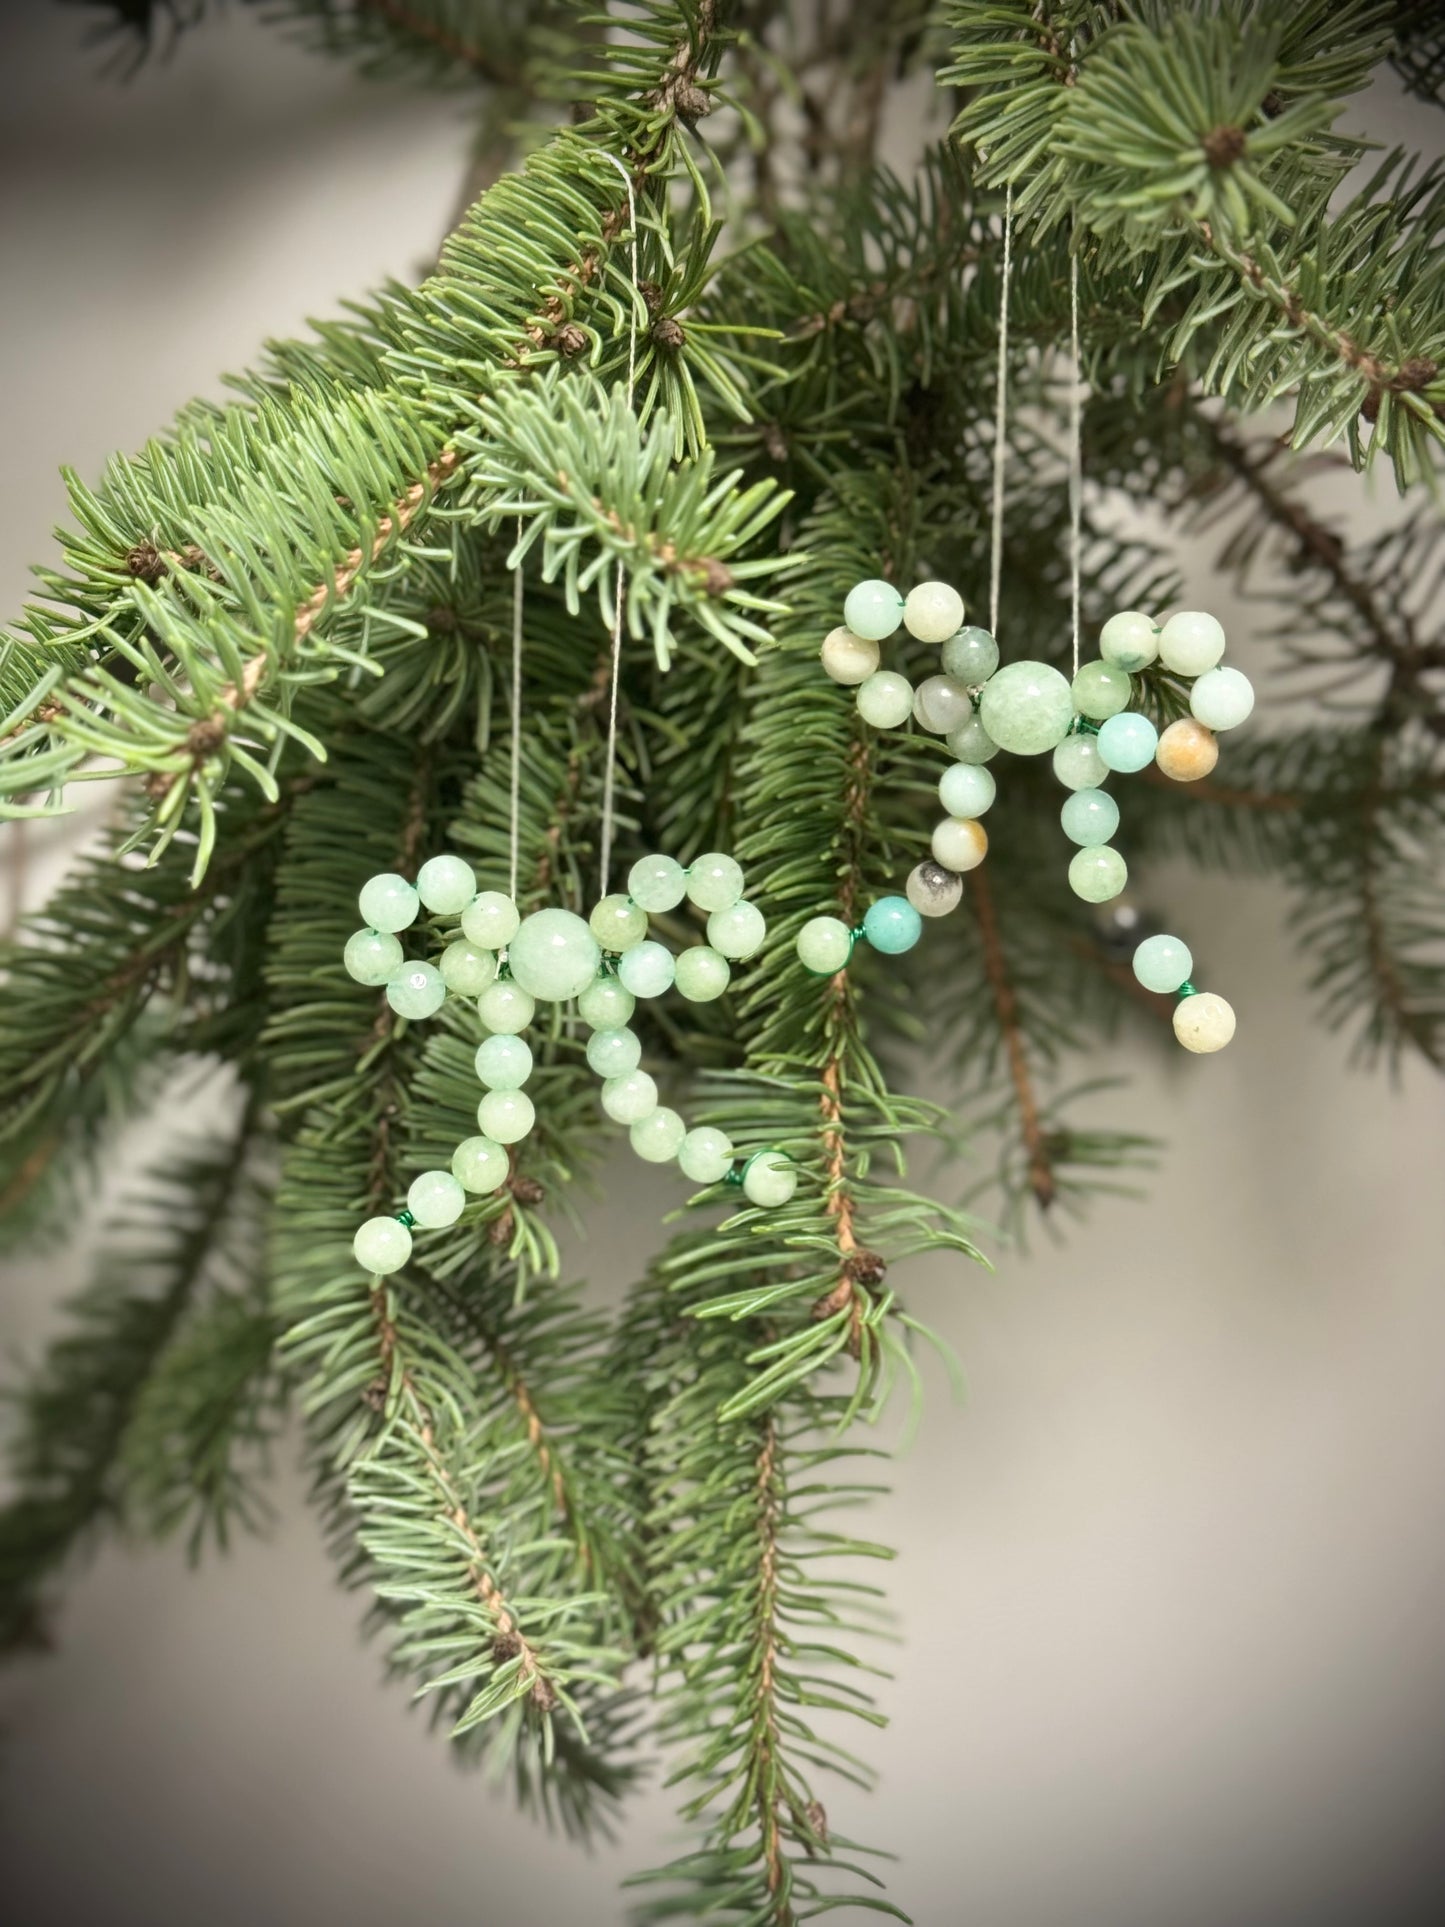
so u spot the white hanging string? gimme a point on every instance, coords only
(609, 776)
(1000, 417)
(516, 814)
(1076, 451)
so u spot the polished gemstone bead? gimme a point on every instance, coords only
(647, 969)
(1163, 963)
(1191, 642)
(714, 881)
(1203, 1022)
(388, 902)
(886, 699)
(824, 945)
(554, 956)
(932, 890)
(933, 612)
(506, 1116)
(617, 923)
(658, 1136)
(630, 1098)
(970, 657)
(446, 884)
(848, 658)
(382, 1246)
(606, 1004)
(770, 1178)
(873, 610)
(1127, 742)
(971, 742)
(959, 843)
(416, 990)
(490, 920)
(1078, 764)
(1187, 750)
(702, 973)
(1089, 817)
(465, 969)
(480, 1165)
(738, 932)
(435, 1200)
(966, 789)
(1097, 874)
(1222, 698)
(706, 1155)
(1026, 707)
(892, 925)
(613, 1053)
(1101, 690)
(941, 704)
(1129, 640)
(372, 956)
(504, 1062)
(505, 1007)
(657, 883)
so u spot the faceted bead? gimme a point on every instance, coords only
(702, 973)
(738, 932)
(941, 704)
(382, 1246)
(706, 1155)
(959, 843)
(1097, 874)
(848, 658)
(1078, 764)
(605, 1004)
(971, 742)
(657, 883)
(873, 610)
(714, 881)
(416, 990)
(886, 699)
(1222, 698)
(388, 902)
(435, 1200)
(554, 956)
(824, 945)
(617, 923)
(892, 925)
(505, 1007)
(613, 1053)
(490, 920)
(480, 1165)
(1191, 642)
(504, 1062)
(1129, 640)
(933, 612)
(371, 957)
(629, 1099)
(506, 1116)
(446, 884)
(770, 1178)
(932, 890)
(1163, 963)
(647, 969)
(1127, 742)
(465, 969)
(658, 1136)
(1026, 707)
(1187, 750)
(1203, 1022)
(970, 657)
(1089, 817)
(966, 789)
(1101, 690)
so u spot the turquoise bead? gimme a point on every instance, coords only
(554, 956)
(416, 990)
(892, 925)
(613, 1053)
(629, 1099)
(1129, 640)
(504, 1061)
(1078, 764)
(966, 789)
(970, 657)
(1222, 698)
(770, 1179)
(605, 1004)
(617, 923)
(1097, 874)
(657, 883)
(1026, 707)
(490, 920)
(446, 884)
(941, 704)
(971, 742)
(873, 610)
(1163, 963)
(382, 1246)
(1100, 690)
(1089, 817)
(714, 882)
(824, 945)
(388, 902)
(705, 1155)
(435, 1200)
(480, 1165)
(702, 974)
(1127, 742)
(885, 700)
(465, 969)
(647, 969)
(738, 933)
(505, 1007)
(658, 1136)
(372, 957)
(506, 1116)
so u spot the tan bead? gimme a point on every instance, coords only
(848, 658)
(1187, 750)
(959, 843)
(1203, 1022)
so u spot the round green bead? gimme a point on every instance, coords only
(1129, 640)
(613, 1053)
(824, 945)
(933, 611)
(892, 925)
(886, 699)
(1101, 690)
(702, 974)
(658, 1136)
(606, 1004)
(1089, 817)
(382, 1246)
(627, 1100)
(506, 1116)
(1163, 963)
(714, 882)
(480, 1165)
(372, 957)
(446, 884)
(657, 883)
(1191, 642)
(1127, 742)
(873, 610)
(465, 969)
(647, 969)
(705, 1155)
(737, 932)
(617, 923)
(435, 1200)
(505, 1007)
(941, 704)
(971, 742)
(770, 1178)
(1222, 698)
(1078, 764)
(970, 657)
(416, 990)
(1026, 707)
(504, 1061)
(388, 902)
(490, 920)
(966, 789)
(1097, 874)
(554, 956)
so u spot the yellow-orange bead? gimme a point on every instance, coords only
(960, 844)
(1187, 750)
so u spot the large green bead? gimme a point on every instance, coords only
(1026, 707)
(372, 956)
(714, 881)
(1089, 817)
(1097, 874)
(702, 974)
(504, 1061)
(617, 923)
(1101, 690)
(658, 1136)
(416, 990)
(554, 956)
(388, 902)
(657, 883)
(737, 932)
(606, 1004)
(824, 945)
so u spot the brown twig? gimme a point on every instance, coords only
(481, 62)
(766, 1718)
(1005, 998)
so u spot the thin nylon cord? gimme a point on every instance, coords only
(609, 777)
(1076, 455)
(1000, 418)
(517, 593)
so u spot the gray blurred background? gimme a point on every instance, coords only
(1169, 1581)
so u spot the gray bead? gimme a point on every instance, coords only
(932, 890)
